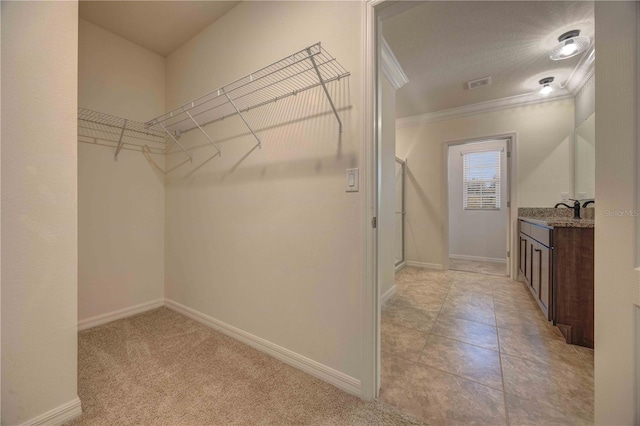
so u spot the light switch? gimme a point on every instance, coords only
(353, 178)
(565, 196)
(582, 195)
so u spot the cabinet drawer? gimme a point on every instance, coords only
(542, 235)
(525, 227)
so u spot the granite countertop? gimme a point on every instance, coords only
(560, 222)
(561, 217)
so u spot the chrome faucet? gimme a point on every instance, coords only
(576, 207)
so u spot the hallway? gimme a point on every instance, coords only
(460, 347)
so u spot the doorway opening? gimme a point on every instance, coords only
(477, 188)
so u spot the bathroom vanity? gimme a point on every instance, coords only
(556, 262)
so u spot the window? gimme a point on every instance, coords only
(481, 180)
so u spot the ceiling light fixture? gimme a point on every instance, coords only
(570, 44)
(546, 85)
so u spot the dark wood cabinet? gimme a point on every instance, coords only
(557, 267)
(536, 257)
(573, 284)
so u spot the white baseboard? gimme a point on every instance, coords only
(477, 258)
(387, 295)
(336, 378)
(119, 314)
(58, 415)
(424, 265)
(400, 266)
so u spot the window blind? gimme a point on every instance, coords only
(481, 180)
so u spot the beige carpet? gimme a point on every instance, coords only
(161, 368)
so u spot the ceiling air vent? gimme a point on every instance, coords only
(481, 82)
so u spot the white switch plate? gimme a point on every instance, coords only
(582, 195)
(353, 180)
(565, 196)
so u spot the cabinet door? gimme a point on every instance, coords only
(534, 283)
(545, 280)
(523, 255)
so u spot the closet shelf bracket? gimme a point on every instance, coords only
(204, 133)
(324, 87)
(175, 140)
(119, 147)
(242, 117)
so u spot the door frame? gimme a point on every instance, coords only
(512, 191)
(370, 373)
(403, 164)
(512, 216)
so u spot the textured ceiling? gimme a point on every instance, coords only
(442, 45)
(160, 26)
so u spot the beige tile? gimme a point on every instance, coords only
(479, 267)
(402, 342)
(587, 357)
(528, 320)
(466, 331)
(565, 388)
(409, 317)
(428, 298)
(440, 398)
(392, 367)
(469, 310)
(510, 293)
(480, 288)
(406, 275)
(464, 360)
(529, 412)
(537, 348)
(470, 297)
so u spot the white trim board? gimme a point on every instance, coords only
(58, 415)
(400, 266)
(387, 295)
(336, 378)
(424, 265)
(477, 258)
(479, 108)
(119, 314)
(391, 67)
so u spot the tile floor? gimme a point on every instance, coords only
(466, 348)
(480, 267)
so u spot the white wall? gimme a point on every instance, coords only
(585, 101)
(585, 141)
(120, 203)
(544, 164)
(387, 209)
(39, 220)
(267, 240)
(616, 281)
(478, 234)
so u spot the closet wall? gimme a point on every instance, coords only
(120, 203)
(39, 220)
(267, 240)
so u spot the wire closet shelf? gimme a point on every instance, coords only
(117, 132)
(306, 69)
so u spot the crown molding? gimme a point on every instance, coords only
(583, 71)
(479, 108)
(391, 67)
